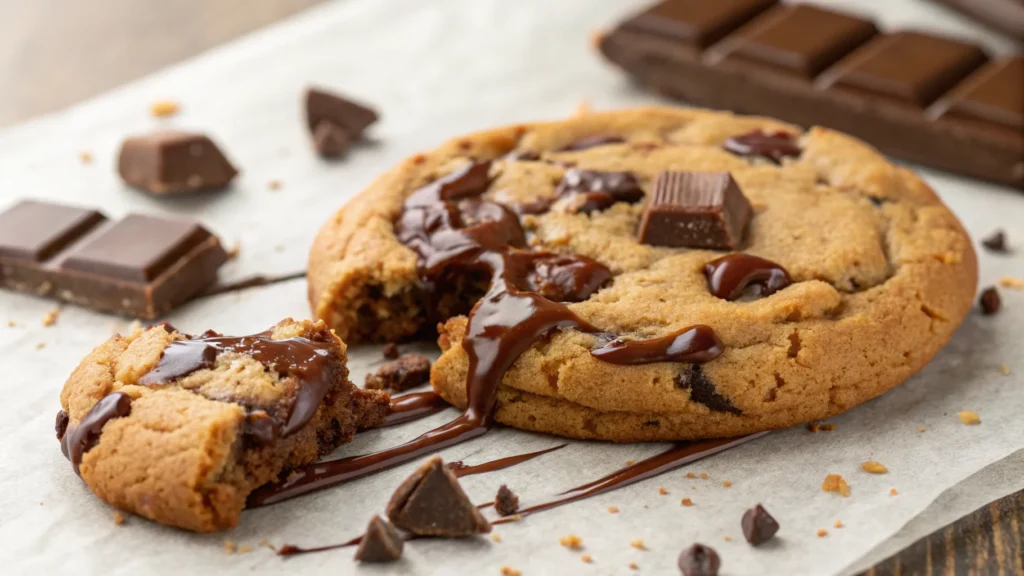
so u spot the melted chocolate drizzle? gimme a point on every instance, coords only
(694, 344)
(79, 439)
(305, 360)
(729, 276)
(413, 406)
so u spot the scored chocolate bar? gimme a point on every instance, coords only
(925, 98)
(1006, 16)
(139, 266)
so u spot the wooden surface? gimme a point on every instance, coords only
(57, 53)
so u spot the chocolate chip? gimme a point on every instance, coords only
(390, 351)
(774, 146)
(996, 242)
(331, 140)
(758, 525)
(990, 301)
(564, 277)
(506, 502)
(408, 371)
(380, 543)
(61, 425)
(699, 560)
(349, 116)
(695, 210)
(620, 186)
(468, 181)
(592, 141)
(703, 391)
(430, 502)
(174, 162)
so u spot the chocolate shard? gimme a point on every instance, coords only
(695, 210)
(380, 543)
(408, 371)
(173, 162)
(350, 116)
(774, 146)
(430, 502)
(996, 242)
(506, 502)
(990, 301)
(758, 525)
(699, 560)
(331, 140)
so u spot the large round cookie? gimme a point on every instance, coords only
(882, 274)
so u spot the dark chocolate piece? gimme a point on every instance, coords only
(996, 242)
(174, 162)
(699, 560)
(350, 116)
(702, 391)
(140, 266)
(430, 502)
(380, 543)
(61, 424)
(408, 371)
(83, 437)
(1006, 16)
(390, 351)
(599, 190)
(695, 210)
(758, 525)
(774, 146)
(730, 276)
(990, 301)
(920, 97)
(331, 140)
(506, 502)
(561, 277)
(696, 23)
(593, 141)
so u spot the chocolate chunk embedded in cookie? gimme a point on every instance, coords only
(181, 428)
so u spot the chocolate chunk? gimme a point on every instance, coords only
(696, 23)
(699, 560)
(430, 502)
(390, 351)
(621, 186)
(703, 391)
(61, 425)
(730, 276)
(593, 141)
(140, 266)
(560, 277)
(695, 210)
(408, 371)
(353, 118)
(758, 525)
(173, 162)
(506, 502)
(469, 181)
(380, 543)
(331, 140)
(990, 301)
(774, 146)
(996, 242)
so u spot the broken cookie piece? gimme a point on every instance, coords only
(408, 371)
(431, 502)
(180, 429)
(174, 162)
(335, 121)
(380, 543)
(506, 502)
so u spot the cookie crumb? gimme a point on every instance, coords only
(266, 544)
(11, 323)
(687, 502)
(646, 506)
(838, 524)
(969, 417)
(727, 538)
(990, 301)
(495, 537)
(613, 509)
(822, 532)
(1010, 282)
(828, 427)
(812, 427)
(726, 483)
(274, 185)
(506, 502)
(229, 547)
(51, 317)
(40, 345)
(690, 475)
(703, 475)
(572, 541)
(163, 108)
(662, 491)
(586, 559)
(1005, 369)
(874, 467)
(921, 429)
(630, 462)
(85, 157)
(583, 108)
(509, 571)
(390, 351)
(836, 483)
(894, 492)
(633, 566)
(118, 517)
(638, 544)
(244, 548)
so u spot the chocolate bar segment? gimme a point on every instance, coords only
(174, 162)
(140, 266)
(920, 97)
(697, 23)
(695, 210)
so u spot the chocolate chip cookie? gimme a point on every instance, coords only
(180, 429)
(652, 274)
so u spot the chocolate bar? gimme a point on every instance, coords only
(924, 98)
(1006, 16)
(139, 266)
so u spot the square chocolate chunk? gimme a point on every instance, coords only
(695, 210)
(696, 23)
(991, 98)
(173, 162)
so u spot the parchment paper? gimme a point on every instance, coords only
(437, 69)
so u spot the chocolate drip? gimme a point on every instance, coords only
(409, 407)
(695, 344)
(729, 276)
(301, 358)
(460, 469)
(83, 437)
(703, 391)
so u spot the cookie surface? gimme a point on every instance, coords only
(180, 429)
(882, 273)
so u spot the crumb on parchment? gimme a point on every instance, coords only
(85, 157)
(828, 427)
(836, 483)
(40, 345)
(274, 185)
(495, 537)
(687, 502)
(822, 532)
(1010, 282)
(51, 317)
(662, 491)
(1005, 369)
(118, 518)
(613, 509)
(633, 566)
(838, 524)
(586, 559)
(164, 108)
(727, 483)
(894, 492)
(969, 417)
(509, 571)
(874, 467)
(572, 541)
(691, 475)
(229, 547)
(638, 544)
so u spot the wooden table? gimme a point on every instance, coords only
(62, 52)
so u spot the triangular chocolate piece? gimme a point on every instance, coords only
(342, 112)
(380, 543)
(430, 502)
(330, 140)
